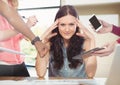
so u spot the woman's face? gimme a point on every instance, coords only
(67, 26)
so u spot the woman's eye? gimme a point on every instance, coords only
(62, 24)
(72, 24)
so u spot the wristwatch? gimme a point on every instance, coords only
(35, 39)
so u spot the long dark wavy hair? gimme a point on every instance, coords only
(75, 45)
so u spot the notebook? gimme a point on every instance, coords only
(114, 75)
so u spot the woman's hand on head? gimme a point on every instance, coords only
(48, 34)
(84, 32)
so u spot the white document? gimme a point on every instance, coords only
(11, 51)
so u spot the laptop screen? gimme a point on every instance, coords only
(114, 75)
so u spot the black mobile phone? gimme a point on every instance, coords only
(95, 23)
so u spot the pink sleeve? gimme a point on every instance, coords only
(118, 40)
(116, 30)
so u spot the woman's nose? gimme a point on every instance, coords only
(67, 28)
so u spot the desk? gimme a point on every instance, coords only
(50, 81)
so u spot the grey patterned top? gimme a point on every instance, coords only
(65, 71)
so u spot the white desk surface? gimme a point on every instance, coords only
(36, 81)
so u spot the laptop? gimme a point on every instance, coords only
(114, 75)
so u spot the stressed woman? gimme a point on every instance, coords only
(66, 38)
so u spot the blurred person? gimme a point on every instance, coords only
(16, 21)
(8, 33)
(65, 41)
(12, 64)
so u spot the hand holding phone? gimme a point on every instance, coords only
(95, 23)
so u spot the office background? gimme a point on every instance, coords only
(45, 11)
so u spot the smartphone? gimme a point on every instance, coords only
(87, 53)
(92, 50)
(95, 23)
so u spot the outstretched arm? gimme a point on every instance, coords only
(13, 17)
(16, 21)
